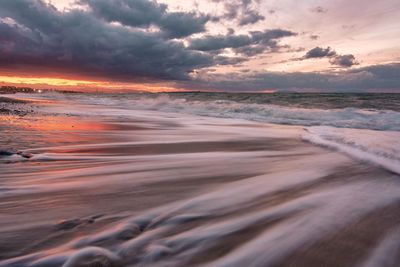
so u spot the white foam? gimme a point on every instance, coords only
(346, 117)
(378, 147)
(163, 236)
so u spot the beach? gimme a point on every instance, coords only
(86, 182)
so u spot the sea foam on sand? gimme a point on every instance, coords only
(184, 190)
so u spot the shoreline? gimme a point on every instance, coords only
(12, 106)
(159, 188)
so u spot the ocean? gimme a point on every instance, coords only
(200, 179)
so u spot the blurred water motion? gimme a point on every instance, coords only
(112, 186)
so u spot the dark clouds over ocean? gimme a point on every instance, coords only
(144, 41)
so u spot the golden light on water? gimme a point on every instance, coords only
(53, 123)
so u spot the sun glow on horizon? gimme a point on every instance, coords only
(83, 85)
(48, 81)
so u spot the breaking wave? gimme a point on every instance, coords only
(377, 147)
(189, 191)
(349, 117)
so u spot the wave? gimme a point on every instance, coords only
(377, 147)
(124, 203)
(368, 135)
(349, 117)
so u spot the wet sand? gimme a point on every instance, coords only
(146, 188)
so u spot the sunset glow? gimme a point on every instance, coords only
(224, 133)
(82, 85)
(211, 45)
(46, 81)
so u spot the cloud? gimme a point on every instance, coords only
(250, 17)
(217, 42)
(376, 78)
(319, 52)
(221, 60)
(241, 10)
(344, 61)
(36, 38)
(250, 44)
(88, 42)
(79, 42)
(145, 13)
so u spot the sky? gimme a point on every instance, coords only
(206, 45)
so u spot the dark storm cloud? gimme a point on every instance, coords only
(253, 43)
(319, 52)
(388, 72)
(217, 42)
(378, 77)
(36, 38)
(145, 13)
(344, 61)
(77, 42)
